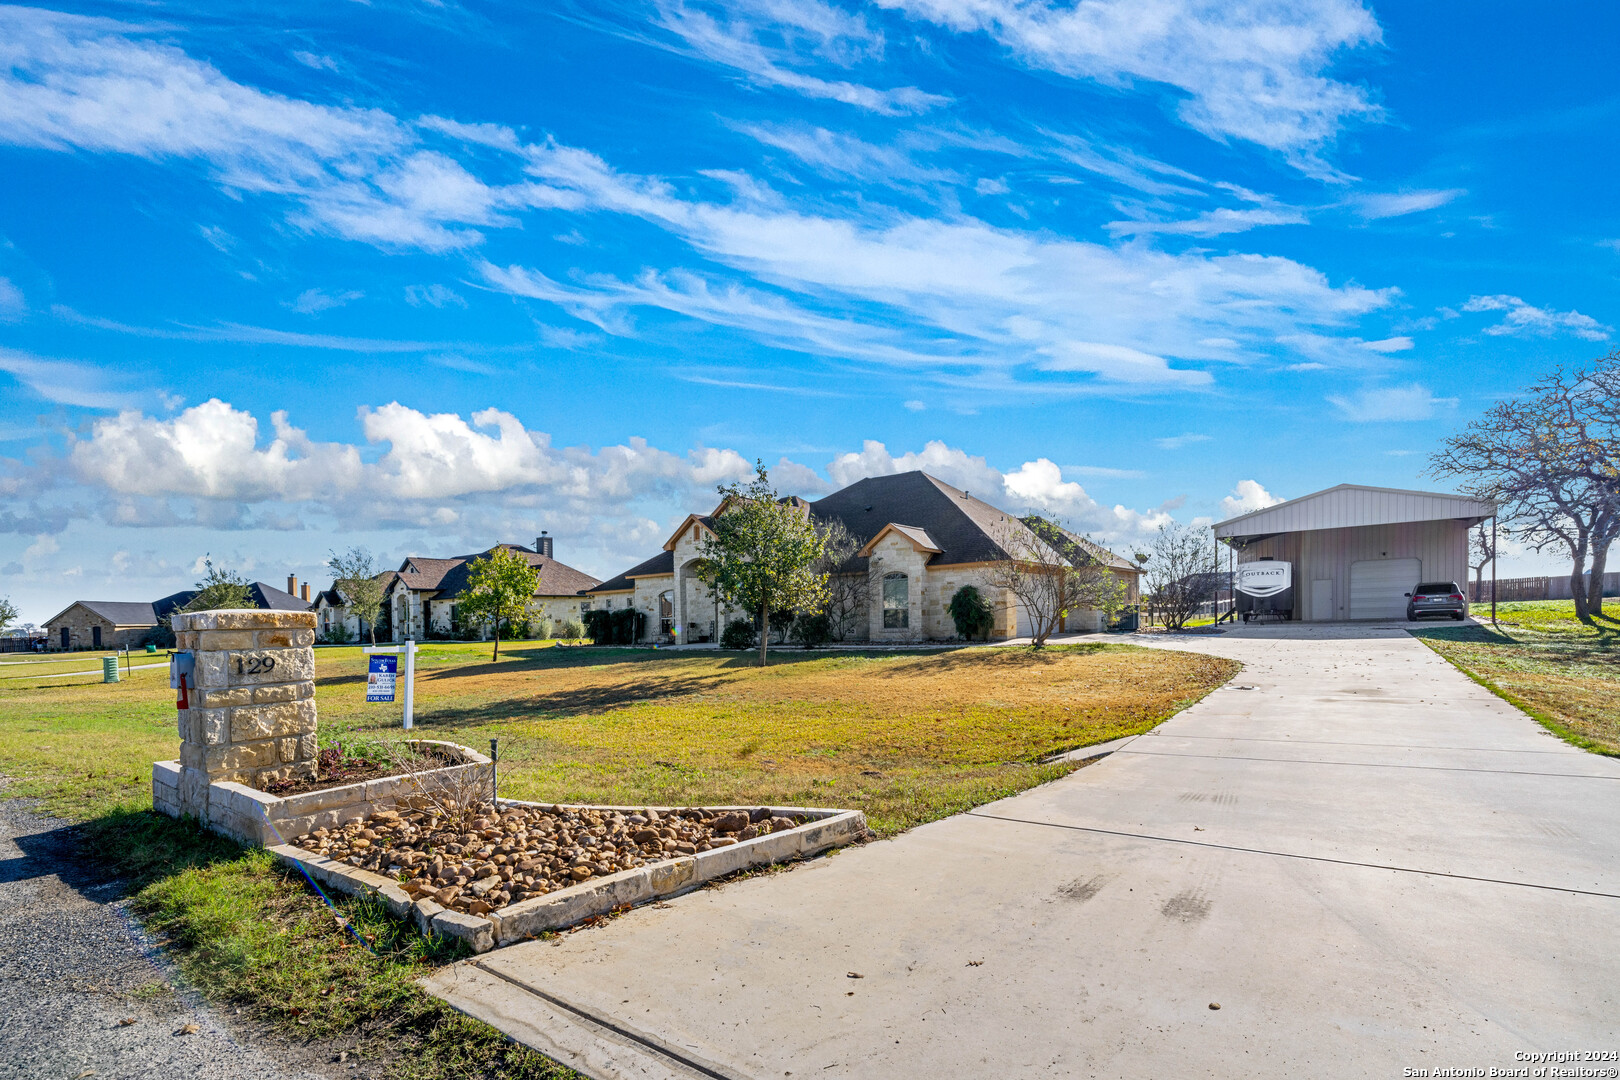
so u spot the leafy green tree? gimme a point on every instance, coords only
(762, 555)
(499, 586)
(356, 580)
(220, 588)
(972, 614)
(8, 612)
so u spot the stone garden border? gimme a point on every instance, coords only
(555, 910)
(256, 818)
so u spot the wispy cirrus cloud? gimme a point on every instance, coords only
(1413, 401)
(65, 382)
(1522, 319)
(1375, 205)
(779, 44)
(1249, 70)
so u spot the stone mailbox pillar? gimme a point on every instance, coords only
(251, 715)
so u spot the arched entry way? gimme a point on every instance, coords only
(697, 614)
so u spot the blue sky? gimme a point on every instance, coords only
(422, 277)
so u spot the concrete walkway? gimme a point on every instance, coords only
(1367, 862)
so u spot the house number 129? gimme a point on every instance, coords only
(255, 665)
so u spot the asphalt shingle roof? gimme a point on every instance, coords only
(444, 578)
(661, 563)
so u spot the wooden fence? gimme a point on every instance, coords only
(1534, 588)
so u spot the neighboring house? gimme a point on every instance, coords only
(920, 541)
(105, 624)
(421, 595)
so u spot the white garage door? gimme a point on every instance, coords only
(1378, 587)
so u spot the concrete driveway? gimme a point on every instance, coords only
(1367, 862)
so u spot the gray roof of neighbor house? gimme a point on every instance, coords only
(448, 577)
(173, 602)
(922, 507)
(117, 612)
(1352, 506)
(270, 598)
(661, 563)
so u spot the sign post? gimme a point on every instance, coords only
(384, 672)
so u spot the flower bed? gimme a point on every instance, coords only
(528, 851)
(250, 816)
(530, 867)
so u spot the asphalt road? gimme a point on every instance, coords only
(83, 991)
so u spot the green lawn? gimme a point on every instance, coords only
(907, 737)
(1541, 658)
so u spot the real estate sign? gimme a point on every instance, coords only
(380, 679)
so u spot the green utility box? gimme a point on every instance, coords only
(109, 669)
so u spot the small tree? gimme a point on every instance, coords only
(356, 581)
(1181, 573)
(499, 586)
(849, 585)
(8, 612)
(762, 555)
(1481, 550)
(1053, 573)
(220, 588)
(972, 614)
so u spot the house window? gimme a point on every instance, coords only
(896, 602)
(584, 606)
(666, 611)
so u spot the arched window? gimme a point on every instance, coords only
(666, 612)
(896, 602)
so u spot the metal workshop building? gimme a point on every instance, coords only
(1357, 551)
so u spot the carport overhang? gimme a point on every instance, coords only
(1350, 506)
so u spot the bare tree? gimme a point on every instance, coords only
(849, 585)
(1550, 459)
(1181, 573)
(1482, 545)
(1053, 573)
(455, 794)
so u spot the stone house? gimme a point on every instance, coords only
(108, 624)
(920, 541)
(419, 597)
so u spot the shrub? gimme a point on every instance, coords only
(544, 627)
(739, 634)
(971, 613)
(571, 630)
(161, 635)
(812, 630)
(336, 634)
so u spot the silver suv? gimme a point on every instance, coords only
(1436, 598)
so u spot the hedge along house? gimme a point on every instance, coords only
(419, 599)
(920, 540)
(1357, 551)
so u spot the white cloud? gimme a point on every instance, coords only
(996, 297)
(315, 301)
(92, 84)
(771, 41)
(1250, 69)
(1389, 344)
(1410, 402)
(1216, 222)
(314, 61)
(1176, 442)
(989, 186)
(64, 382)
(1522, 319)
(834, 153)
(1397, 203)
(1035, 486)
(434, 295)
(1247, 496)
(12, 304)
(916, 406)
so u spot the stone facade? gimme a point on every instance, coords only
(251, 714)
(81, 628)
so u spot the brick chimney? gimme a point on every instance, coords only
(292, 584)
(303, 592)
(542, 544)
